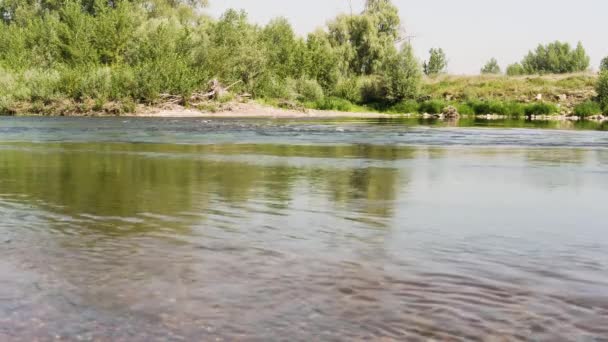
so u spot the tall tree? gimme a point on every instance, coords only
(365, 40)
(437, 62)
(491, 67)
(604, 64)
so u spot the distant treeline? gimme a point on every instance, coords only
(129, 52)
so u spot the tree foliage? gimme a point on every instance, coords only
(604, 64)
(437, 62)
(138, 50)
(515, 69)
(491, 67)
(602, 90)
(556, 58)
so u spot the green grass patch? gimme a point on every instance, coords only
(587, 108)
(541, 108)
(432, 106)
(405, 107)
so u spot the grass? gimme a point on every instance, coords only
(432, 106)
(587, 108)
(541, 108)
(506, 88)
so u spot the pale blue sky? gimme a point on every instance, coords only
(470, 31)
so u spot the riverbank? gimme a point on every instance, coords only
(257, 110)
(253, 109)
(549, 97)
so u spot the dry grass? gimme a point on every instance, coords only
(569, 89)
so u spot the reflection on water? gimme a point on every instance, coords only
(140, 242)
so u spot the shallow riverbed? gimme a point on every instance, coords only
(147, 229)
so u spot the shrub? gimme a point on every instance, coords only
(587, 108)
(541, 108)
(487, 107)
(514, 109)
(43, 84)
(515, 69)
(334, 103)
(272, 87)
(432, 107)
(465, 109)
(373, 90)
(350, 89)
(309, 91)
(602, 90)
(405, 107)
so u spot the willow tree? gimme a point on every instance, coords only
(365, 40)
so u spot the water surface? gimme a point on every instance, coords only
(188, 229)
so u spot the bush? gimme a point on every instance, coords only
(465, 109)
(587, 108)
(405, 107)
(432, 107)
(541, 108)
(309, 91)
(514, 109)
(515, 70)
(334, 103)
(487, 107)
(602, 90)
(373, 90)
(43, 84)
(272, 87)
(350, 89)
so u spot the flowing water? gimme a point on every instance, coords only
(253, 230)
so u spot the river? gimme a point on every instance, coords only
(125, 229)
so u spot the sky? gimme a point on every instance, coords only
(470, 31)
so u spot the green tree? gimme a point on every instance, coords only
(491, 67)
(604, 64)
(323, 61)
(556, 58)
(402, 75)
(365, 40)
(236, 49)
(602, 90)
(515, 69)
(436, 64)
(284, 51)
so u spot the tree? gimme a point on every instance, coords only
(491, 67)
(365, 40)
(236, 50)
(324, 62)
(604, 64)
(402, 75)
(284, 51)
(556, 58)
(602, 90)
(515, 69)
(437, 62)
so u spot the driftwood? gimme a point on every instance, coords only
(215, 91)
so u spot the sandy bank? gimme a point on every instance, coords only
(252, 110)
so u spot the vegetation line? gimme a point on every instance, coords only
(65, 57)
